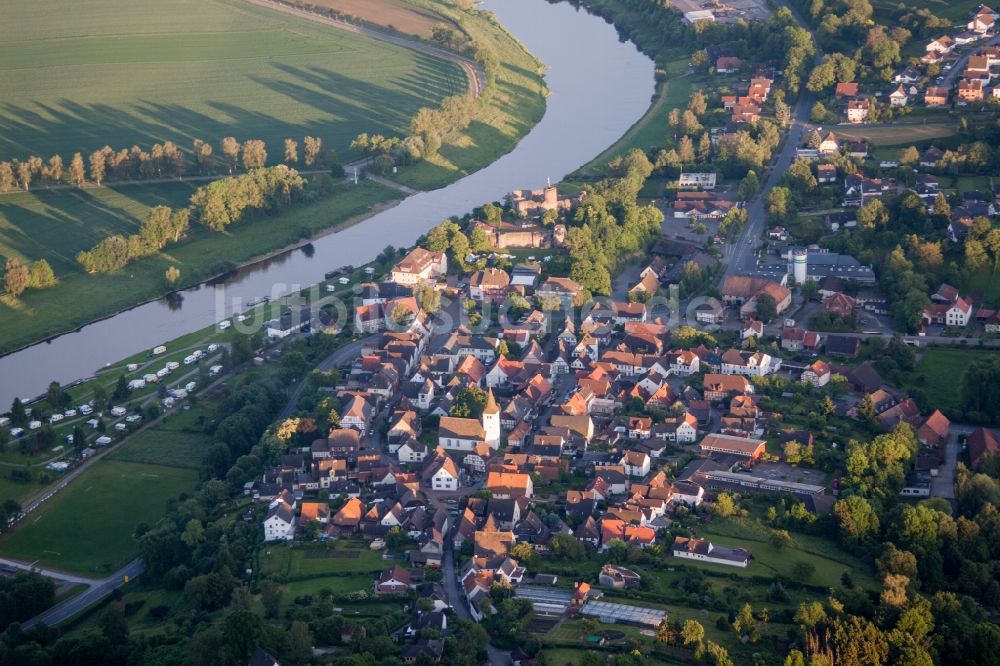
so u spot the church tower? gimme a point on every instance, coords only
(491, 421)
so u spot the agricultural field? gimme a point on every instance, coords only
(398, 15)
(78, 76)
(80, 298)
(903, 134)
(517, 104)
(111, 499)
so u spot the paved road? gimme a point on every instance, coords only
(457, 600)
(97, 591)
(343, 355)
(952, 75)
(739, 255)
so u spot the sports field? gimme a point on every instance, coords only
(87, 527)
(79, 75)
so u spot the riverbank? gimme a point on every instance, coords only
(509, 113)
(80, 298)
(577, 125)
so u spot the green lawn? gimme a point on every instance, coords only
(903, 134)
(80, 298)
(984, 286)
(939, 375)
(175, 442)
(955, 10)
(16, 491)
(87, 527)
(281, 560)
(77, 76)
(829, 560)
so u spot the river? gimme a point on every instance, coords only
(599, 87)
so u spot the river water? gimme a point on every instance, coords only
(599, 86)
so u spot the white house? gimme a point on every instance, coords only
(636, 463)
(757, 364)
(686, 492)
(829, 145)
(443, 475)
(898, 97)
(705, 551)
(696, 181)
(419, 265)
(956, 313)
(280, 523)
(942, 45)
(413, 451)
(687, 428)
(818, 374)
(684, 363)
(751, 328)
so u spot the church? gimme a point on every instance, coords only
(462, 434)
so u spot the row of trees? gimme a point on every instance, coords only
(164, 160)
(18, 277)
(162, 227)
(223, 202)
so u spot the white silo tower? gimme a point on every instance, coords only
(800, 262)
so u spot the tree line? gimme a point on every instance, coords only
(162, 227)
(215, 205)
(164, 160)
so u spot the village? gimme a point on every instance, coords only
(556, 424)
(723, 396)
